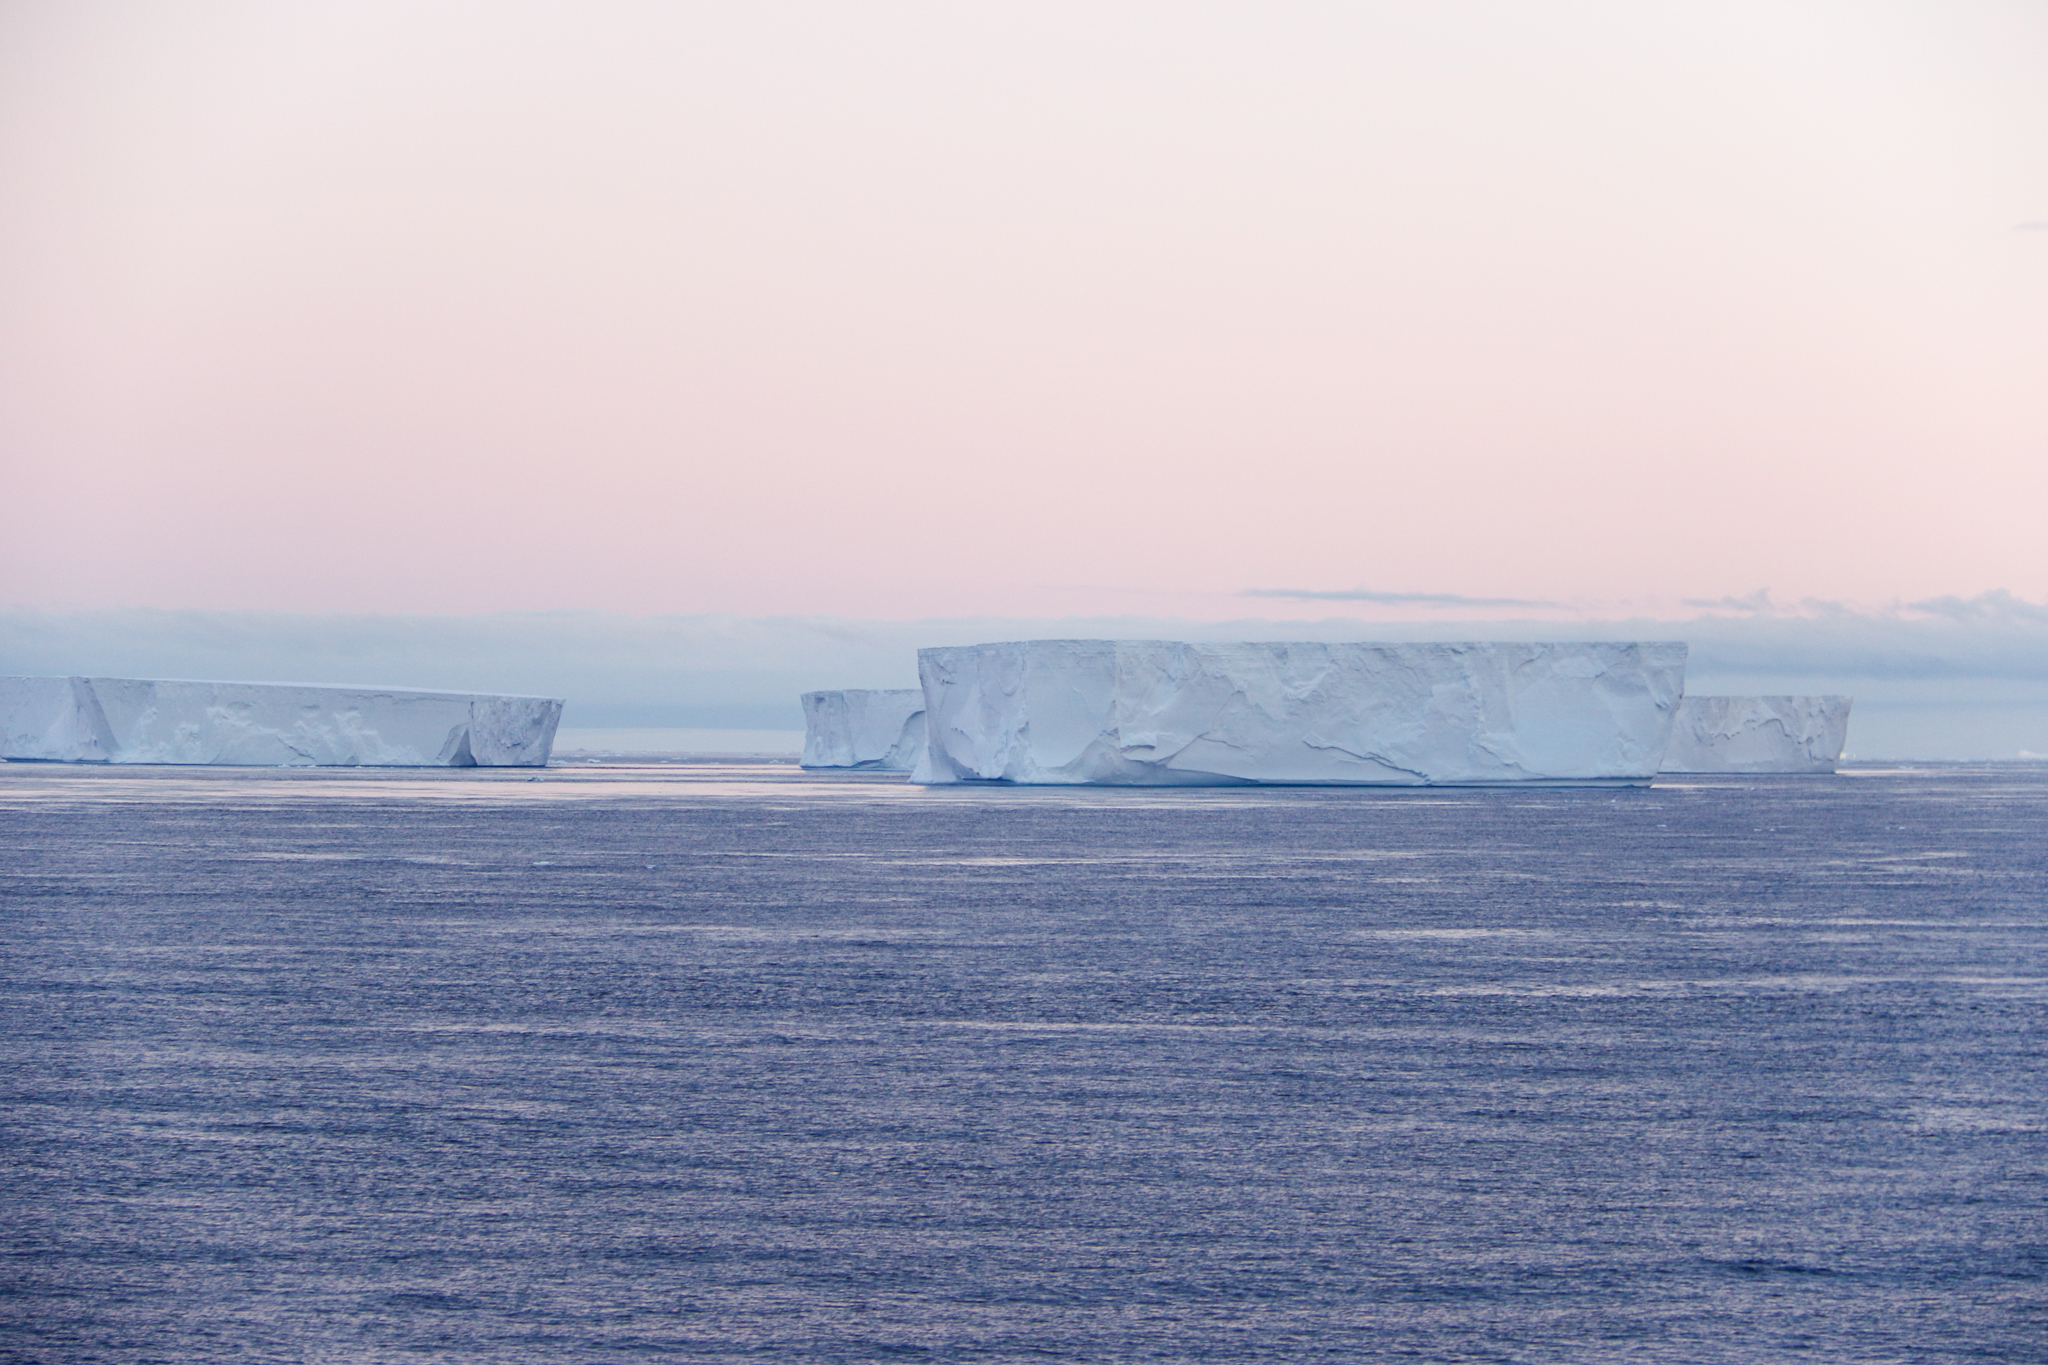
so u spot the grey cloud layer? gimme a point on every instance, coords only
(1967, 678)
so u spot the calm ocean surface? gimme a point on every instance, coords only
(724, 1064)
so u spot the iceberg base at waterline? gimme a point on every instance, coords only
(270, 725)
(1164, 713)
(870, 728)
(1758, 735)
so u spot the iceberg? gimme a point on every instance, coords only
(144, 720)
(1758, 735)
(878, 728)
(1160, 713)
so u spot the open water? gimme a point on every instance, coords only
(732, 1064)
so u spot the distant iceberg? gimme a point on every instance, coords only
(270, 725)
(864, 728)
(1758, 735)
(1159, 713)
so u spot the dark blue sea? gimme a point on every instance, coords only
(701, 1063)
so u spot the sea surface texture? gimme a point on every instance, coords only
(735, 1064)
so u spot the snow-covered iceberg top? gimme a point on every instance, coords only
(1758, 735)
(864, 728)
(143, 720)
(1155, 712)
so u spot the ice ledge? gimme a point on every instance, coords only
(143, 720)
(1163, 713)
(1758, 735)
(873, 728)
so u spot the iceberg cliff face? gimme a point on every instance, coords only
(1157, 713)
(864, 728)
(1758, 735)
(139, 720)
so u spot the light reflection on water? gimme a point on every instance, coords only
(715, 781)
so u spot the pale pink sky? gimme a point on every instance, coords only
(902, 309)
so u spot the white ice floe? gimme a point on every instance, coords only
(144, 720)
(864, 728)
(1158, 713)
(1758, 735)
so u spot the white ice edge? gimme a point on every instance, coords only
(1167, 713)
(174, 720)
(1779, 734)
(873, 728)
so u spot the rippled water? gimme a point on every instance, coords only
(721, 1064)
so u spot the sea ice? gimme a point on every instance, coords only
(1152, 712)
(142, 720)
(1758, 735)
(864, 728)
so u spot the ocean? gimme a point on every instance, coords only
(739, 1063)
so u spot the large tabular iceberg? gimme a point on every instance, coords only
(864, 728)
(1156, 713)
(1758, 735)
(139, 720)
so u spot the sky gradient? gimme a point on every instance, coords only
(904, 310)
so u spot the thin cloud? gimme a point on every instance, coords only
(1755, 603)
(1997, 607)
(1761, 604)
(1395, 599)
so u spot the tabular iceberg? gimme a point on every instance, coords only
(1758, 735)
(141, 720)
(1158, 713)
(881, 728)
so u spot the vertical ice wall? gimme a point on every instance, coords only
(1758, 735)
(864, 728)
(1150, 712)
(142, 720)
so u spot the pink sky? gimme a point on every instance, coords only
(894, 310)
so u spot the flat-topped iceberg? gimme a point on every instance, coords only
(1159, 713)
(143, 720)
(879, 728)
(1758, 735)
